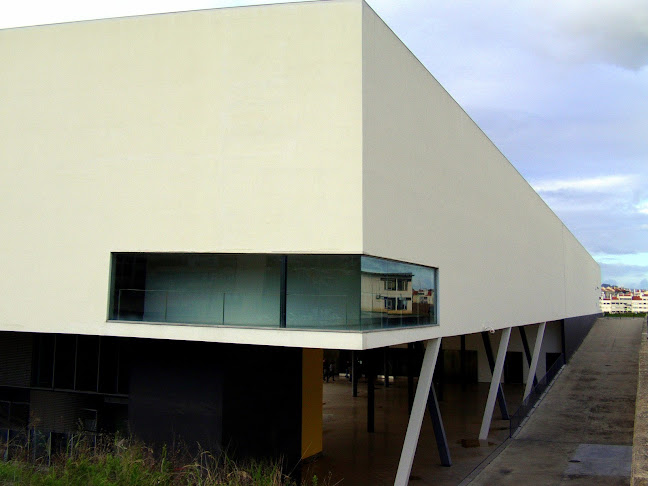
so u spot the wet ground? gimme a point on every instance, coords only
(354, 457)
(580, 433)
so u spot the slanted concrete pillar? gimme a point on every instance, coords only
(534, 360)
(371, 395)
(491, 363)
(410, 377)
(495, 383)
(418, 412)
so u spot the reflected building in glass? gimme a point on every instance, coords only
(397, 294)
(341, 292)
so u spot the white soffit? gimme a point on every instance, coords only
(301, 338)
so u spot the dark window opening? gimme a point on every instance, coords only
(129, 276)
(401, 304)
(513, 368)
(81, 363)
(390, 303)
(550, 359)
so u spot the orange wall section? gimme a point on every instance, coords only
(312, 389)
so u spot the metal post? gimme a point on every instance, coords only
(370, 391)
(440, 370)
(531, 379)
(527, 353)
(223, 317)
(495, 384)
(418, 411)
(491, 362)
(439, 430)
(410, 377)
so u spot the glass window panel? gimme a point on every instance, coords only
(396, 294)
(241, 290)
(323, 291)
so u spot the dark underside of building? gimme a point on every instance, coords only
(247, 400)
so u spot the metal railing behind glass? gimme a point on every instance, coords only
(394, 309)
(318, 311)
(363, 311)
(180, 306)
(314, 311)
(536, 392)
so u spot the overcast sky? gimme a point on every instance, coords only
(560, 86)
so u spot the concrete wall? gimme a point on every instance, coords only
(455, 202)
(296, 128)
(228, 130)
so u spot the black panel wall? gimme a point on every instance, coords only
(245, 398)
(574, 331)
(15, 358)
(176, 394)
(262, 402)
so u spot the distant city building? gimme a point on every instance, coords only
(615, 300)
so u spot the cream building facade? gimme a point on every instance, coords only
(220, 182)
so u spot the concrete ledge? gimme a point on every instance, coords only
(640, 439)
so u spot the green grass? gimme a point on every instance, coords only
(129, 463)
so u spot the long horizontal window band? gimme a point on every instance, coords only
(337, 292)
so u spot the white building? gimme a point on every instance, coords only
(622, 302)
(639, 303)
(192, 198)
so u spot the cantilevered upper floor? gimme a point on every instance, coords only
(296, 139)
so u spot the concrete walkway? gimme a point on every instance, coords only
(640, 441)
(581, 433)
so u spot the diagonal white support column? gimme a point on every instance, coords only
(534, 360)
(497, 376)
(418, 412)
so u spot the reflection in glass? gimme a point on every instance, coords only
(323, 291)
(396, 294)
(235, 290)
(347, 292)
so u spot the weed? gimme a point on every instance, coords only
(116, 461)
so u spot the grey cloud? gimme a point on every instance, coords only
(614, 32)
(538, 143)
(607, 231)
(633, 276)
